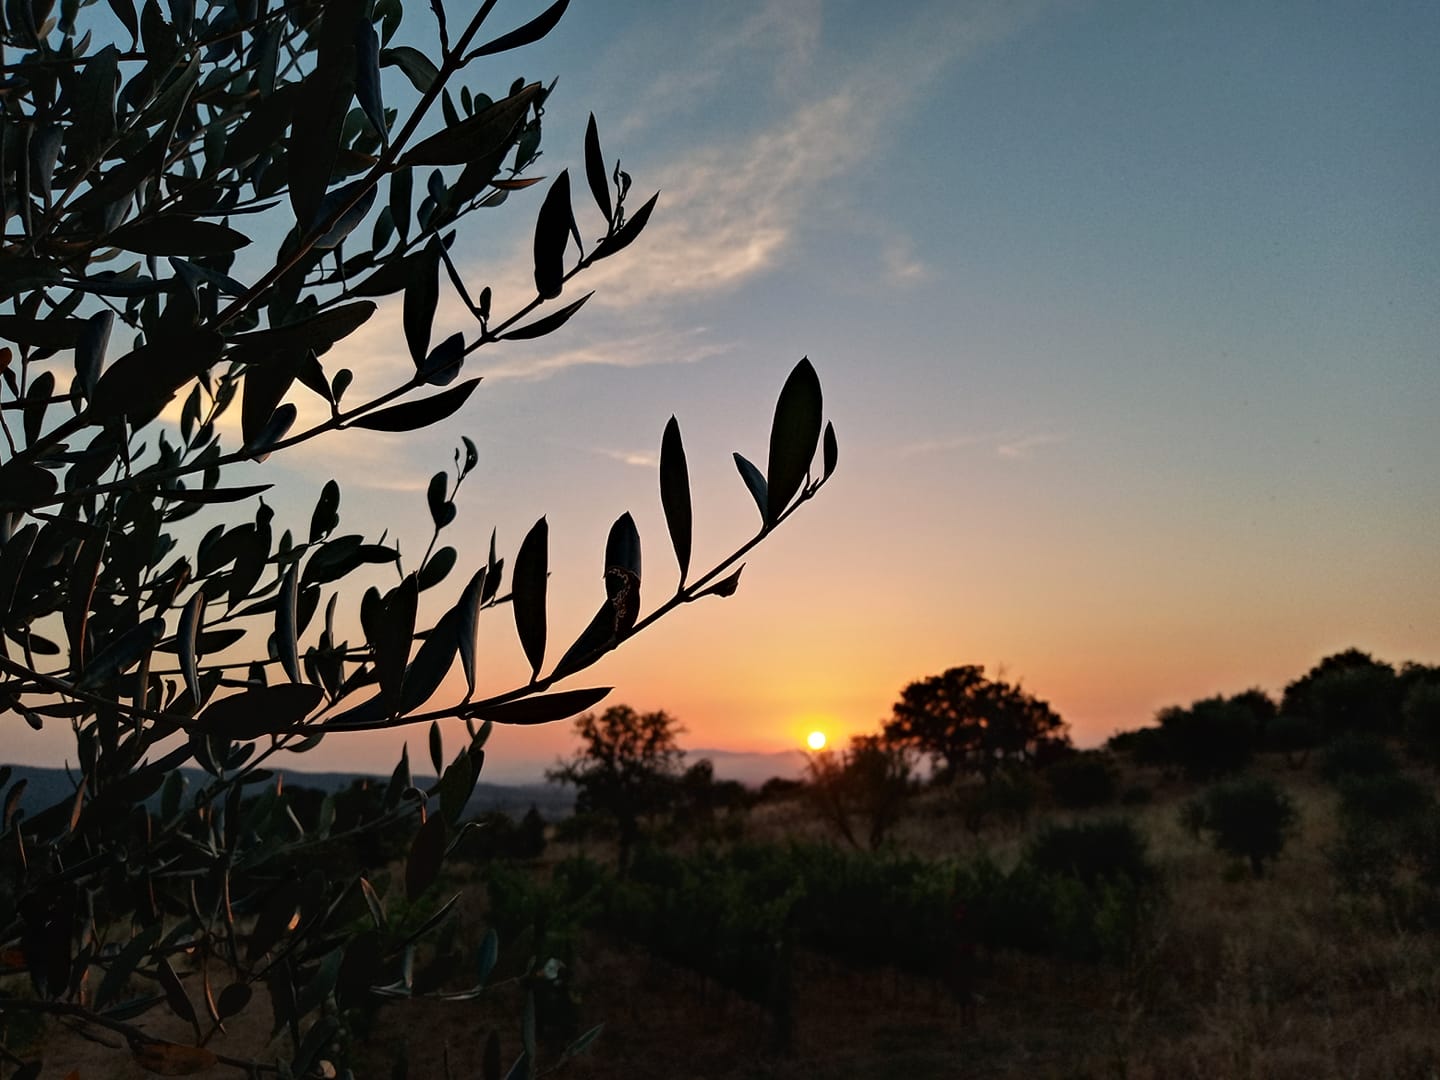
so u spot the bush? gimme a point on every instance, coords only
(1293, 736)
(1137, 795)
(1355, 754)
(1421, 714)
(1111, 850)
(1083, 780)
(1210, 738)
(1383, 797)
(1249, 818)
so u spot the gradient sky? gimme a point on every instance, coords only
(1126, 316)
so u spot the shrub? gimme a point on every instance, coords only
(1092, 852)
(1211, 737)
(1356, 754)
(1293, 736)
(1083, 780)
(1085, 892)
(1421, 714)
(1248, 818)
(1383, 797)
(1137, 795)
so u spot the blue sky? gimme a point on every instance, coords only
(1126, 315)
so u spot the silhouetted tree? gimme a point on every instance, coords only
(627, 768)
(1210, 738)
(869, 781)
(1349, 691)
(963, 722)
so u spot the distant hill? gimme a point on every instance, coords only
(45, 787)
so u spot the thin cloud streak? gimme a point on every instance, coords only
(731, 211)
(1009, 446)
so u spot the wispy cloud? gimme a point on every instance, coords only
(1008, 445)
(646, 459)
(732, 208)
(1026, 445)
(640, 350)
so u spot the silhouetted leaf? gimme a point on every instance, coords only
(418, 67)
(794, 434)
(23, 484)
(675, 495)
(175, 995)
(367, 76)
(456, 785)
(211, 495)
(90, 350)
(119, 969)
(93, 108)
(326, 515)
(286, 624)
(725, 587)
(437, 748)
(486, 956)
(187, 638)
(393, 638)
(431, 664)
(437, 567)
(527, 593)
(261, 710)
(176, 234)
(754, 481)
(274, 430)
(125, 11)
(321, 109)
(319, 332)
(476, 138)
(122, 653)
(543, 709)
(232, 1000)
(468, 610)
(427, 852)
(421, 296)
(344, 209)
(418, 414)
(551, 322)
(552, 231)
(624, 236)
(444, 362)
(51, 333)
(142, 382)
(832, 450)
(532, 31)
(595, 170)
(372, 901)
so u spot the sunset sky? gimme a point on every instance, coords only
(1126, 315)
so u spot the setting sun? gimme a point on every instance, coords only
(815, 740)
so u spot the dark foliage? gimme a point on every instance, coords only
(197, 215)
(1249, 818)
(1356, 754)
(1347, 692)
(1083, 780)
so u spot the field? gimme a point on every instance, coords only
(1228, 975)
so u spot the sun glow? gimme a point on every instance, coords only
(815, 740)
